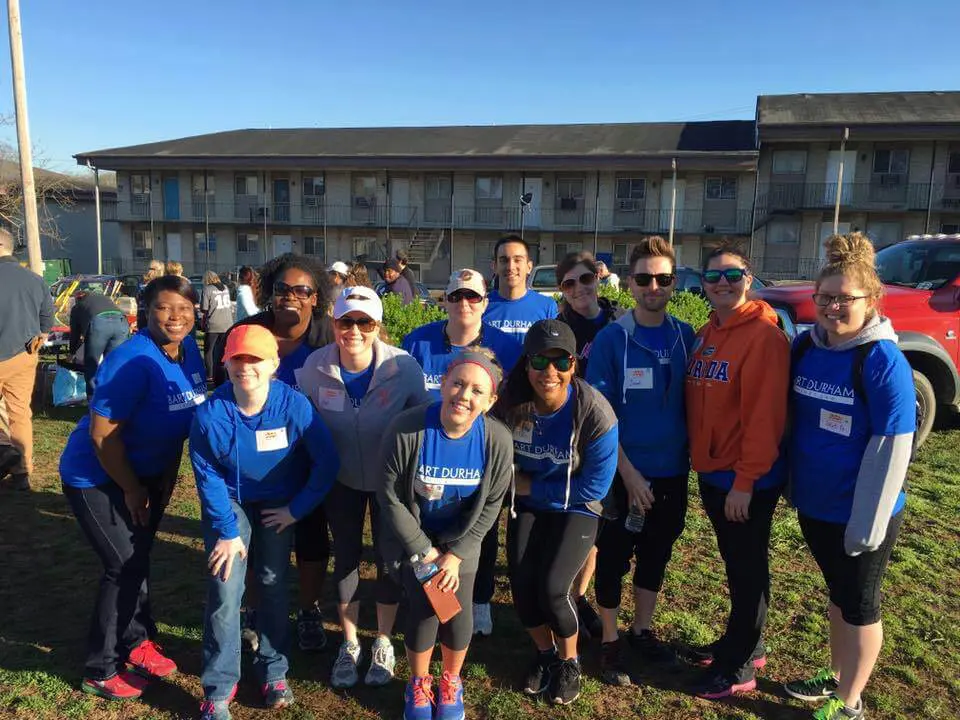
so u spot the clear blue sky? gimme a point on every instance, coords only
(107, 73)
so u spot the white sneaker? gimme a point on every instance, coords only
(344, 673)
(382, 662)
(482, 622)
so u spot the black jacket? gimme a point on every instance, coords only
(585, 330)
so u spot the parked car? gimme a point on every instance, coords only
(421, 291)
(922, 282)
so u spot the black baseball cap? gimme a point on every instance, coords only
(549, 335)
(392, 264)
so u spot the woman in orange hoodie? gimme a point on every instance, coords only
(736, 396)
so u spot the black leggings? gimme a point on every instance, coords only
(651, 547)
(853, 582)
(209, 342)
(487, 565)
(346, 510)
(545, 551)
(422, 627)
(312, 538)
(745, 549)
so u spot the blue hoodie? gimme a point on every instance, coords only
(285, 452)
(649, 404)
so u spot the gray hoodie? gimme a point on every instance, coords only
(397, 384)
(883, 468)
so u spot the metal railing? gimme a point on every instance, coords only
(887, 193)
(786, 268)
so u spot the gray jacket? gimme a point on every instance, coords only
(216, 308)
(27, 307)
(397, 384)
(401, 534)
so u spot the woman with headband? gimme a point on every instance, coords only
(447, 468)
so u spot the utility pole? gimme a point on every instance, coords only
(23, 138)
(838, 198)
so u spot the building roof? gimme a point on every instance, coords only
(859, 109)
(464, 143)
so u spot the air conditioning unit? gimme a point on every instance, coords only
(313, 201)
(627, 205)
(890, 180)
(363, 202)
(568, 204)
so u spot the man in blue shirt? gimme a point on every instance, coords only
(513, 306)
(434, 345)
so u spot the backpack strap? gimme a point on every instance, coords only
(860, 356)
(804, 342)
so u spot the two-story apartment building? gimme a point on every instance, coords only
(900, 171)
(444, 194)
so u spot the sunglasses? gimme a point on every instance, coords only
(301, 292)
(733, 275)
(822, 300)
(587, 278)
(365, 324)
(542, 362)
(469, 295)
(663, 279)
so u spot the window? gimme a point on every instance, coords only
(950, 228)
(200, 240)
(489, 188)
(619, 254)
(364, 190)
(922, 265)
(369, 248)
(630, 193)
(570, 189)
(245, 185)
(313, 245)
(140, 184)
(483, 256)
(789, 162)
(314, 186)
(562, 249)
(248, 242)
(884, 233)
(437, 187)
(890, 162)
(953, 163)
(142, 245)
(783, 233)
(721, 188)
(197, 184)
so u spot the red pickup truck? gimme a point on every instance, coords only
(922, 279)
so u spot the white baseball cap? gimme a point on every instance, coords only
(359, 299)
(339, 267)
(466, 279)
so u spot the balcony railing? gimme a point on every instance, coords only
(884, 193)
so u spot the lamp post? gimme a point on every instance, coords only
(525, 200)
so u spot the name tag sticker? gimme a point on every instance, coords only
(268, 440)
(331, 399)
(428, 491)
(524, 433)
(836, 422)
(639, 378)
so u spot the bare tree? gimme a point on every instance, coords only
(55, 191)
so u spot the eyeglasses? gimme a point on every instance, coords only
(542, 362)
(823, 300)
(663, 279)
(365, 324)
(587, 278)
(733, 275)
(469, 295)
(301, 292)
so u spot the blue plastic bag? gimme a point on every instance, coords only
(69, 387)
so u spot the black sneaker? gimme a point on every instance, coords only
(249, 639)
(702, 655)
(20, 481)
(590, 625)
(613, 669)
(310, 632)
(538, 677)
(564, 682)
(650, 648)
(9, 458)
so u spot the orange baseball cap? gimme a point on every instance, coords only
(253, 340)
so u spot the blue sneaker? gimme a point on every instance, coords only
(418, 699)
(450, 706)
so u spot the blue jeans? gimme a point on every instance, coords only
(103, 335)
(221, 623)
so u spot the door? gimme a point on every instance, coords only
(281, 200)
(826, 230)
(400, 201)
(531, 216)
(666, 197)
(171, 198)
(849, 173)
(174, 249)
(282, 244)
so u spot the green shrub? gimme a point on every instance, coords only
(686, 306)
(400, 319)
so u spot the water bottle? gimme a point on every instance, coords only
(635, 520)
(423, 571)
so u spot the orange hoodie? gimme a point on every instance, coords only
(736, 394)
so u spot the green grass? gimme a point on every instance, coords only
(48, 579)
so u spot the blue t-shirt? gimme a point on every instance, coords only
(153, 395)
(357, 383)
(832, 424)
(429, 346)
(293, 362)
(449, 471)
(660, 341)
(516, 316)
